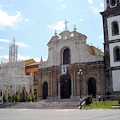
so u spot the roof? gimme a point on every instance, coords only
(92, 50)
(29, 61)
(36, 63)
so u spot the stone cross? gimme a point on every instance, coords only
(66, 25)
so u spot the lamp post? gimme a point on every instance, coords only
(80, 73)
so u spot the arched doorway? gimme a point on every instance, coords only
(65, 86)
(92, 87)
(45, 90)
(23, 95)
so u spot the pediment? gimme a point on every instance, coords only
(65, 34)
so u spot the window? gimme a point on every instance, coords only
(35, 77)
(113, 2)
(66, 56)
(107, 3)
(116, 53)
(115, 28)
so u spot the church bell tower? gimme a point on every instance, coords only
(111, 26)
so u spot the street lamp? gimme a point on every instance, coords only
(80, 73)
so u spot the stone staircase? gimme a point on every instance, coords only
(44, 104)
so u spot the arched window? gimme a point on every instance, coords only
(113, 2)
(66, 56)
(107, 3)
(116, 53)
(115, 28)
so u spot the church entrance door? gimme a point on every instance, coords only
(65, 86)
(92, 87)
(45, 90)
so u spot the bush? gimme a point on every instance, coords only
(119, 101)
(33, 98)
(27, 98)
(9, 98)
(118, 98)
(15, 98)
(4, 100)
(30, 98)
(88, 100)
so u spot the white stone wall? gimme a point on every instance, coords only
(105, 5)
(13, 74)
(77, 46)
(109, 22)
(116, 80)
(15, 68)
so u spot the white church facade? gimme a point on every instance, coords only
(68, 53)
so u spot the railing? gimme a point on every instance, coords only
(82, 102)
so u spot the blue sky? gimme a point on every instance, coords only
(33, 23)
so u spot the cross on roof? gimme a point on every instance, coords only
(66, 25)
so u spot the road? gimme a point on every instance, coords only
(58, 114)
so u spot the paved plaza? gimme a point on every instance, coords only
(58, 114)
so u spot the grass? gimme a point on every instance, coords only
(101, 105)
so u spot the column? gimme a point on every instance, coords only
(32, 90)
(2, 95)
(71, 89)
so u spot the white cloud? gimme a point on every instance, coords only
(101, 37)
(18, 43)
(96, 10)
(5, 57)
(63, 6)
(20, 57)
(21, 44)
(101, 5)
(81, 20)
(58, 26)
(90, 1)
(1, 47)
(7, 20)
(37, 59)
(27, 20)
(4, 40)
